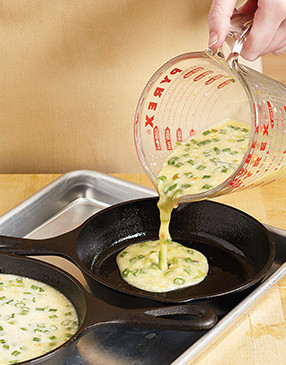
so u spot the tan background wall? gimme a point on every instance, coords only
(71, 73)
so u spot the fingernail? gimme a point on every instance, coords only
(213, 38)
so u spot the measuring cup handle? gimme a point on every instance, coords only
(240, 25)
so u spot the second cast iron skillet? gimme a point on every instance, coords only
(239, 249)
(93, 312)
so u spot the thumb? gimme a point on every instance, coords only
(219, 21)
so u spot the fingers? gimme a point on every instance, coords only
(219, 21)
(268, 32)
(277, 45)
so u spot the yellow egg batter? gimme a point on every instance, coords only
(199, 164)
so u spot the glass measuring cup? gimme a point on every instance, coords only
(194, 91)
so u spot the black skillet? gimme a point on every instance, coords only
(239, 249)
(93, 312)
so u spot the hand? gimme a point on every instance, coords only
(268, 32)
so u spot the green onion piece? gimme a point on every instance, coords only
(36, 339)
(179, 281)
(125, 272)
(66, 322)
(187, 271)
(172, 187)
(16, 353)
(206, 176)
(205, 133)
(224, 169)
(217, 150)
(189, 260)
(186, 186)
(136, 272)
(206, 186)
(226, 150)
(191, 162)
(222, 131)
(140, 257)
(202, 143)
(201, 167)
(245, 130)
(190, 252)
(173, 160)
(177, 193)
(179, 164)
(163, 178)
(189, 174)
(124, 253)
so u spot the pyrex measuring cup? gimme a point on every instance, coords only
(194, 91)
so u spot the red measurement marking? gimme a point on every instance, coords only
(256, 162)
(223, 84)
(265, 129)
(193, 71)
(199, 77)
(248, 158)
(253, 144)
(263, 146)
(168, 138)
(271, 114)
(179, 135)
(235, 183)
(241, 171)
(157, 138)
(212, 79)
(256, 129)
(192, 132)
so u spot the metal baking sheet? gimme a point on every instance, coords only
(66, 203)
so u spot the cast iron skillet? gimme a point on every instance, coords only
(239, 249)
(93, 312)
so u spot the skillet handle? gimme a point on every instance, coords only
(63, 245)
(202, 317)
(181, 317)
